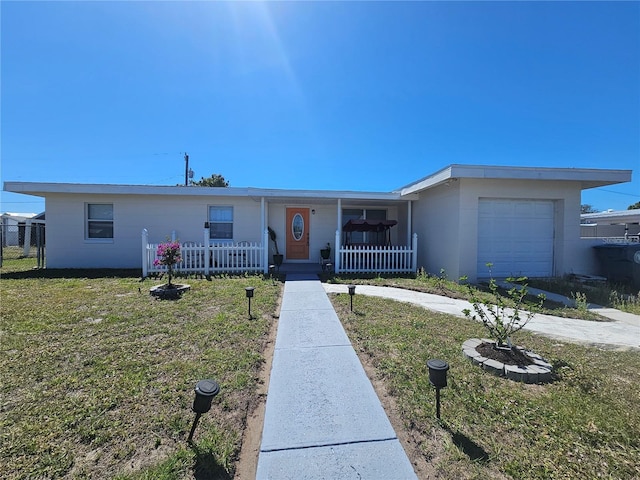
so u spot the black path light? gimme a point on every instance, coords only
(249, 292)
(352, 292)
(438, 378)
(205, 391)
(271, 269)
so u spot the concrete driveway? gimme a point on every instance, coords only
(622, 332)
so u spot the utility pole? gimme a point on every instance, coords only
(186, 170)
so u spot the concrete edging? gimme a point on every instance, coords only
(539, 372)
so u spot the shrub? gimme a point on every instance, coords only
(504, 317)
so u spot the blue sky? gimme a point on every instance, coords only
(316, 95)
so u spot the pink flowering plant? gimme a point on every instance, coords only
(168, 254)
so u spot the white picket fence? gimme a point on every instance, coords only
(208, 258)
(377, 259)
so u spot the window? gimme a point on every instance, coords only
(221, 223)
(369, 238)
(99, 220)
(353, 214)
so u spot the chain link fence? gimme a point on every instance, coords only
(22, 240)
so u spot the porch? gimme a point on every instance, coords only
(208, 258)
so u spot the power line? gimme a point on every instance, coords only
(620, 193)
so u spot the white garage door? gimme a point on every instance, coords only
(516, 236)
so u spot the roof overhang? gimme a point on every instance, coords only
(586, 177)
(275, 195)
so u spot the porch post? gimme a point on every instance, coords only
(264, 256)
(336, 261)
(207, 247)
(145, 255)
(262, 216)
(414, 255)
(409, 226)
(265, 251)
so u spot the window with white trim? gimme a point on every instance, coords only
(220, 223)
(360, 214)
(99, 224)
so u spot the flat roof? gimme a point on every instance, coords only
(588, 177)
(43, 189)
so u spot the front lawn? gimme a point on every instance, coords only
(585, 424)
(98, 376)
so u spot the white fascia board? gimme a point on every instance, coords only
(587, 177)
(437, 178)
(44, 189)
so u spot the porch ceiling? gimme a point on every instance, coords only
(322, 197)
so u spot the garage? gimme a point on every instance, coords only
(516, 236)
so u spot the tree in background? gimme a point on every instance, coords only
(586, 208)
(214, 180)
(634, 206)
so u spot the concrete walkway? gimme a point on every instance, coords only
(622, 332)
(323, 419)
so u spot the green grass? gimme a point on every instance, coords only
(607, 294)
(97, 381)
(441, 285)
(98, 376)
(586, 424)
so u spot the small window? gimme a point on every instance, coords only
(221, 223)
(99, 220)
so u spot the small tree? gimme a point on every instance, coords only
(215, 180)
(504, 317)
(586, 208)
(168, 254)
(634, 206)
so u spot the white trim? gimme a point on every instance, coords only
(89, 239)
(41, 189)
(589, 177)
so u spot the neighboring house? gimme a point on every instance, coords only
(620, 223)
(523, 220)
(13, 228)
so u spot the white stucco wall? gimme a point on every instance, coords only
(67, 246)
(436, 220)
(446, 219)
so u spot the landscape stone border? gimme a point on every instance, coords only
(164, 293)
(539, 372)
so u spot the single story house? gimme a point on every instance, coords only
(522, 220)
(612, 223)
(13, 226)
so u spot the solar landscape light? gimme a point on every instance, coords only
(352, 292)
(205, 391)
(438, 378)
(249, 293)
(271, 270)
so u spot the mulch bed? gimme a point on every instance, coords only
(513, 356)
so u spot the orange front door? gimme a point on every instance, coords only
(297, 233)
